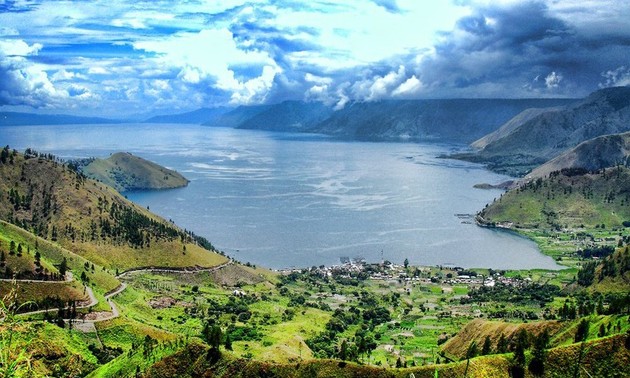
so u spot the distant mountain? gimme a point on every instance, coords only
(529, 141)
(124, 171)
(203, 115)
(510, 126)
(234, 118)
(453, 120)
(601, 152)
(19, 119)
(291, 116)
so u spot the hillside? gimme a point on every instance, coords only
(594, 154)
(605, 358)
(124, 171)
(456, 120)
(209, 115)
(49, 198)
(511, 125)
(288, 116)
(528, 141)
(570, 199)
(234, 118)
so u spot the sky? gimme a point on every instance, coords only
(118, 58)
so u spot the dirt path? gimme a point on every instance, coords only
(87, 325)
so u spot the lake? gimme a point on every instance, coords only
(295, 200)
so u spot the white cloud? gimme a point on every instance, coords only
(97, 70)
(209, 55)
(553, 80)
(309, 77)
(618, 77)
(254, 90)
(410, 87)
(17, 47)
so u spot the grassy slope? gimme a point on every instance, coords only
(80, 205)
(566, 202)
(125, 171)
(46, 343)
(602, 357)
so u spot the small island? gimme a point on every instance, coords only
(124, 171)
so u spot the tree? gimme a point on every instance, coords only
(502, 345)
(38, 258)
(406, 263)
(487, 346)
(539, 353)
(63, 267)
(522, 343)
(343, 350)
(470, 353)
(581, 334)
(228, 342)
(212, 335)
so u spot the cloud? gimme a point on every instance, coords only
(499, 47)
(553, 80)
(390, 5)
(102, 55)
(211, 55)
(409, 88)
(619, 77)
(21, 82)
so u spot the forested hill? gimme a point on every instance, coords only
(53, 200)
(570, 198)
(124, 171)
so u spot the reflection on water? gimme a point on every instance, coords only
(283, 200)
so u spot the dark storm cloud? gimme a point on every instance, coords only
(521, 50)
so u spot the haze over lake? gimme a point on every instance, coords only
(284, 200)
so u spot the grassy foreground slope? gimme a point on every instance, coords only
(52, 200)
(124, 171)
(606, 357)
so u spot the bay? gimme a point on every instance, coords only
(295, 200)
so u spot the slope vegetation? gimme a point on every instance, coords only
(124, 171)
(567, 199)
(49, 198)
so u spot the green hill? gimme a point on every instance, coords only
(568, 199)
(54, 201)
(124, 171)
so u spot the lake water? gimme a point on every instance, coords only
(287, 200)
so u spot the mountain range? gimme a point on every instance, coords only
(534, 137)
(18, 119)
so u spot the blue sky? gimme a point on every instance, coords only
(118, 58)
